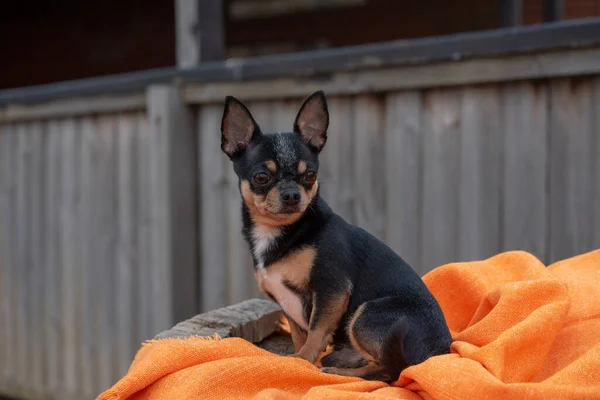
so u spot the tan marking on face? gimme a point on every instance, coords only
(307, 196)
(271, 166)
(302, 167)
(264, 209)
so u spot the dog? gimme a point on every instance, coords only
(336, 283)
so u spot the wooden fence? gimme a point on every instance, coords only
(86, 242)
(439, 174)
(119, 215)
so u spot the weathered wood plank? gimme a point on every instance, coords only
(126, 254)
(4, 255)
(571, 168)
(73, 107)
(525, 159)
(105, 248)
(596, 172)
(334, 159)
(479, 192)
(183, 205)
(52, 254)
(173, 182)
(88, 355)
(403, 175)
(369, 166)
(160, 248)
(252, 320)
(440, 178)
(210, 31)
(144, 245)
(213, 175)
(36, 228)
(7, 240)
(22, 263)
(469, 72)
(186, 33)
(69, 261)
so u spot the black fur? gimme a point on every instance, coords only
(401, 315)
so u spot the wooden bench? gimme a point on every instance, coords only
(256, 320)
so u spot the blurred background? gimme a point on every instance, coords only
(459, 129)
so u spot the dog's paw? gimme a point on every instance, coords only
(329, 370)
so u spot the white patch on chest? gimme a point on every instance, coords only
(263, 238)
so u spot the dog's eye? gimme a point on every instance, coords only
(310, 177)
(261, 178)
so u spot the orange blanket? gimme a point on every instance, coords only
(520, 331)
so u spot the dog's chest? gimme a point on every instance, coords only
(273, 285)
(292, 269)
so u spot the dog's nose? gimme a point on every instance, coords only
(290, 197)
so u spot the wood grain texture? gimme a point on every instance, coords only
(22, 262)
(70, 252)
(187, 44)
(596, 171)
(403, 175)
(214, 192)
(88, 352)
(351, 83)
(7, 241)
(173, 181)
(182, 186)
(525, 160)
(479, 190)
(334, 166)
(159, 228)
(126, 251)
(144, 276)
(105, 248)
(571, 156)
(252, 320)
(4, 254)
(369, 165)
(36, 222)
(73, 107)
(440, 178)
(52, 254)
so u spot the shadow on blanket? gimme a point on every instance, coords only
(520, 330)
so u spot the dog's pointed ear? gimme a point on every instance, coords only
(238, 127)
(312, 121)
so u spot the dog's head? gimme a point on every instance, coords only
(277, 171)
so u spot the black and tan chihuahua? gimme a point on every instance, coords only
(336, 283)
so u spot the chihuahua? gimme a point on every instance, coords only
(337, 284)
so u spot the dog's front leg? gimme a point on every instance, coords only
(298, 335)
(326, 313)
